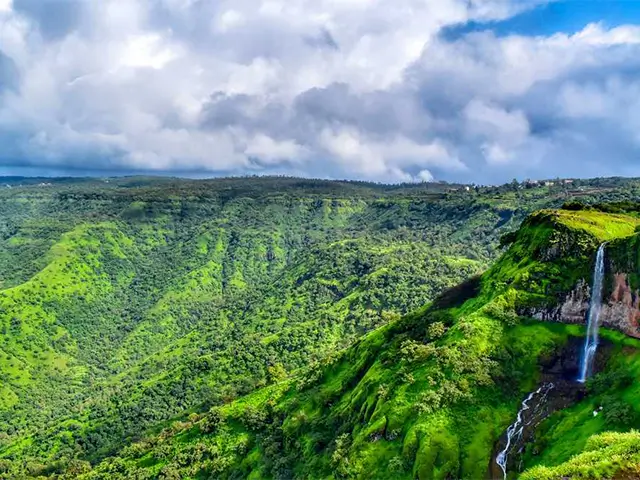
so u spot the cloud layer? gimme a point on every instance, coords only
(367, 89)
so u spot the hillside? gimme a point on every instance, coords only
(128, 305)
(430, 395)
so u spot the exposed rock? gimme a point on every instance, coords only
(575, 307)
(572, 310)
(620, 311)
(623, 309)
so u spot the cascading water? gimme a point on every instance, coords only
(591, 340)
(526, 416)
(516, 429)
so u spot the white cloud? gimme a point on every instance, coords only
(425, 176)
(229, 20)
(146, 50)
(493, 121)
(500, 132)
(596, 34)
(388, 160)
(272, 152)
(496, 154)
(358, 88)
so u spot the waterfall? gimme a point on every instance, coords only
(591, 340)
(515, 430)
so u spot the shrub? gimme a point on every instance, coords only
(617, 412)
(436, 330)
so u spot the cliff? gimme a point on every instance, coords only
(620, 309)
(431, 395)
(552, 257)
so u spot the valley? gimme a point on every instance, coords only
(289, 328)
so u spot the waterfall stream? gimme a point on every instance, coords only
(516, 429)
(591, 340)
(533, 407)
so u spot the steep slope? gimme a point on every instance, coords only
(208, 336)
(48, 320)
(128, 302)
(429, 395)
(134, 301)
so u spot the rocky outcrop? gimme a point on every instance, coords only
(620, 310)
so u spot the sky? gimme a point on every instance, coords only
(389, 91)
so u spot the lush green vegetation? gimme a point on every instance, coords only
(575, 442)
(605, 455)
(129, 307)
(426, 396)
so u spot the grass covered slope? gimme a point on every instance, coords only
(607, 455)
(569, 442)
(47, 320)
(133, 302)
(126, 302)
(551, 251)
(426, 396)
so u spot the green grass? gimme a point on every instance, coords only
(603, 226)
(566, 433)
(141, 302)
(402, 403)
(607, 455)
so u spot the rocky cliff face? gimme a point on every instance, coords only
(620, 308)
(548, 267)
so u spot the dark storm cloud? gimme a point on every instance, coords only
(378, 112)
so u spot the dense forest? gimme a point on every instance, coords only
(280, 327)
(430, 395)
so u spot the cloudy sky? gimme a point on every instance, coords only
(384, 90)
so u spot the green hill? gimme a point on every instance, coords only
(431, 394)
(129, 306)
